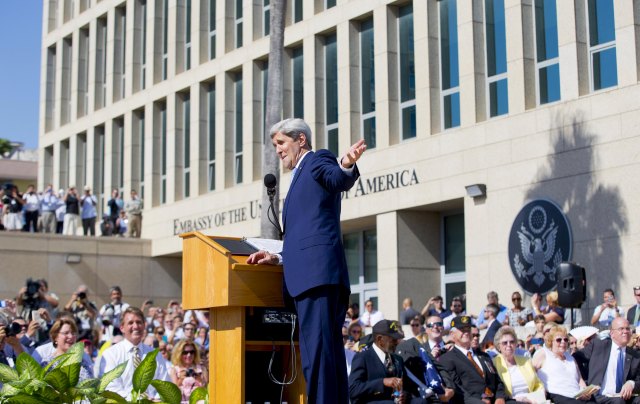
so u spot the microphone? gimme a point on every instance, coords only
(270, 183)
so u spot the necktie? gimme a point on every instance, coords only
(136, 357)
(637, 316)
(389, 366)
(620, 370)
(487, 390)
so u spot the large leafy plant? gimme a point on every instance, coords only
(59, 382)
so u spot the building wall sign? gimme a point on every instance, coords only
(382, 183)
(539, 240)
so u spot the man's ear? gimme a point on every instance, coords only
(302, 138)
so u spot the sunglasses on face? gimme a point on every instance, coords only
(431, 325)
(559, 340)
(415, 325)
(508, 342)
(475, 335)
(185, 353)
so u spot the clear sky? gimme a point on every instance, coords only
(20, 39)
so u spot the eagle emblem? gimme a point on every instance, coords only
(538, 257)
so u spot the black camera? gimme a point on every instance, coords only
(32, 295)
(13, 329)
(190, 373)
(82, 295)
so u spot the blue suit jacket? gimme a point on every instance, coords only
(312, 252)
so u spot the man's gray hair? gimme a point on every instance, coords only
(292, 127)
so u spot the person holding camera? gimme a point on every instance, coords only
(187, 372)
(49, 203)
(609, 310)
(71, 215)
(10, 346)
(114, 308)
(35, 295)
(89, 212)
(84, 311)
(32, 209)
(12, 203)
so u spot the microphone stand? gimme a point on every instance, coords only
(271, 193)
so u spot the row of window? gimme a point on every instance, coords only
(602, 63)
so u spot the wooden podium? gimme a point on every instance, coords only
(214, 278)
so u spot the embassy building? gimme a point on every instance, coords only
(470, 109)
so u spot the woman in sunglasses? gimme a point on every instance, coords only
(518, 315)
(187, 372)
(558, 370)
(520, 379)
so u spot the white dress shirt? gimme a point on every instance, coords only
(369, 319)
(609, 382)
(122, 352)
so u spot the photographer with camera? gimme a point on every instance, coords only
(187, 372)
(111, 311)
(10, 346)
(35, 295)
(12, 203)
(605, 313)
(84, 311)
(72, 202)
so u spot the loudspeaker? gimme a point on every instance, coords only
(572, 285)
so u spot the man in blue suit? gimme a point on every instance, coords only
(315, 268)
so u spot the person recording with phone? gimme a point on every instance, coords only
(84, 311)
(606, 312)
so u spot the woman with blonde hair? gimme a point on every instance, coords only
(552, 311)
(187, 372)
(558, 370)
(520, 379)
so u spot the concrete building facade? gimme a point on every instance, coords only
(530, 98)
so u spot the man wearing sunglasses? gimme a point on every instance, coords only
(633, 314)
(613, 366)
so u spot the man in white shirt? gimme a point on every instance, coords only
(132, 351)
(370, 316)
(605, 313)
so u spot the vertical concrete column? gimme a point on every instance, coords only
(128, 123)
(57, 166)
(471, 56)
(227, 25)
(196, 22)
(199, 149)
(58, 85)
(346, 132)
(90, 158)
(173, 43)
(422, 21)
(224, 131)
(386, 71)
(251, 161)
(388, 266)
(179, 35)
(151, 155)
(625, 14)
(72, 157)
(312, 79)
(520, 55)
(572, 49)
(75, 57)
(174, 166)
(154, 43)
(109, 154)
(355, 88)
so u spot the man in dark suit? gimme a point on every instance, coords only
(633, 314)
(470, 373)
(315, 268)
(377, 372)
(493, 325)
(613, 366)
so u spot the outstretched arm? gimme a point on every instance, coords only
(353, 154)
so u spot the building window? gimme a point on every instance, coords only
(547, 62)
(138, 162)
(65, 101)
(407, 71)
(496, 57)
(187, 35)
(186, 144)
(449, 72)
(453, 256)
(211, 135)
(329, 3)
(163, 153)
(99, 157)
(119, 60)
(165, 38)
(602, 44)
(264, 77)
(101, 64)
(367, 84)
(297, 82)
(238, 23)
(83, 73)
(361, 252)
(331, 93)
(50, 92)
(141, 33)
(237, 127)
(118, 154)
(53, 17)
(212, 29)
(266, 17)
(297, 10)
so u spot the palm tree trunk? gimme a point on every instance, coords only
(273, 111)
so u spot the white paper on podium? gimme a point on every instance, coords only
(267, 244)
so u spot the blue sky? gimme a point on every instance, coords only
(20, 39)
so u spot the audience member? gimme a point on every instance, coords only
(115, 205)
(435, 307)
(130, 350)
(612, 365)
(493, 325)
(552, 312)
(407, 313)
(354, 333)
(558, 370)
(470, 372)
(114, 309)
(606, 312)
(518, 315)
(492, 298)
(456, 310)
(633, 314)
(72, 212)
(133, 208)
(64, 333)
(84, 311)
(187, 372)
(122, 224)
(89, 212)
(370, 316)
(416, 326)
(49, 204)
(521, 383)
(106, 226)
(61, 211)
(12, 203)
(31, 209)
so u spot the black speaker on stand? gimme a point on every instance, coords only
(572, 286)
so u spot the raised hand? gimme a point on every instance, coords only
(353, 154)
